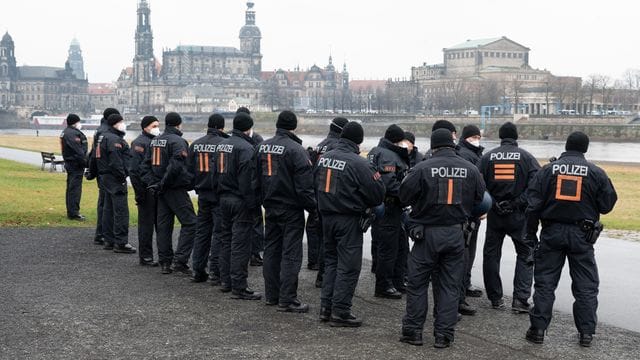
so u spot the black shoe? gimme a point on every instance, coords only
(520, 307)
(344, 320)
(256, 260)
(271, 302)
(124, 249)
(181, 269)
(465, 309)
(225, 288)
(98, 241)
(498, 304)
(401, 289)
(108, 246)
(313, 266)
(319, 281)
(166, 268)
(535, 336)
(325, 314)
(473, 292)
(390, 293)
(199, 277)
(148, 262)
(442, 342)
(585, 340)
(411, 337)
(77, 217)
(295, 307)
(245, 294)
(214, 280)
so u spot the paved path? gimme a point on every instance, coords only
(27, 157)
(61, 297)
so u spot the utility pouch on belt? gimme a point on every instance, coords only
(416, 232)
(366, 219)
(468, 228)
(592, 229)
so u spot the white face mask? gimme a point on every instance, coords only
(154, 131)
(475, 143)
(403, 144)
(121, 126)
(78, 126)
(251, 133)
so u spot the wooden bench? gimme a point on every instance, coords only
(50, 158)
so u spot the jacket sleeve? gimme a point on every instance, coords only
(178, 160)
(146, 174)
(135, 167)
(535, 202)
(371, 186)
(532, 169)
(117, 162)
(607, 196)
(411, 187)
(76, 147)
(247, 182)
(303, 180)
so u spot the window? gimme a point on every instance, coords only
(491, 54)
(509, 55)
(520, 55)
(504, 55)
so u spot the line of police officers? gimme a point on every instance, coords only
(437, 201)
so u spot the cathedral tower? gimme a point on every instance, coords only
(250, 37)
(75, 59)
(144, 63)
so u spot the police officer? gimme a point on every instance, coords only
(166, 171)
(203, 165)
(346, 186)
(74, 152)
(286, 181)
(442, 191)
(237, 188)
(92, 173)
(414, 154)
(391, 160)
(507, 171)
(257, 235)
(469, 148)
(145, 200)
(113, 160)
(442, 124)
(567, 195)
(315, 247)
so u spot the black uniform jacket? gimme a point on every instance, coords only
(469, 152)
(507, 171)
(442, 190)
(285, 173)
(236, 166)
(346, 183)
(202, 161)
(74, 145)
(166, 162)
(112, 155)
(139, 149)
(569, 190)
(392, 162)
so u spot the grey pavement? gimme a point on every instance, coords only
(23, 156)
(62, 297)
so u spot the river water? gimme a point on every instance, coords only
(541, 149)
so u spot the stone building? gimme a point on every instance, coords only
(26, 89)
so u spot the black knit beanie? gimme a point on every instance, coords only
(443, 124)
(353, 131)
(109, 111)
(114, 119)
(72, 119)
(147, 120)
(508, 130)
(408, 135)
(577, 141)
(441, 138)
(394, 134)
(469, 131)
(287, 120)
(243, 109)
(338, 124)
(242, 121)
(172, 119)
(216, 121)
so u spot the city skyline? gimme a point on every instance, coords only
(370, 51)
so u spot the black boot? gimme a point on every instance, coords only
(325, 314)
(245, 294)
(345, 320)
(521, 307)
(585, 340)
(124, 249)
(535, 336)
(411, 337)
(296, 306)
(442, 342)
(166, 268)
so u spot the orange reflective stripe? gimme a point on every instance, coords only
(450, 192)
(504, 171)
(577, 196)
(206, 162)
(504, 177)
(221, 162)
(327, 185)
(98, 152)
(504, 166)
(269, 165)
(200, 162)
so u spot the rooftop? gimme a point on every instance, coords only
(470, 44)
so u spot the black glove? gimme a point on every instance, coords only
(366, 219)
(154, 190)
(416, 232)
(504, 207)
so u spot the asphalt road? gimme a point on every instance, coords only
(61, 297)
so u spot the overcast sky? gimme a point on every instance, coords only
(377, 39)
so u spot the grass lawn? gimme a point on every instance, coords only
(32, 143)
(626, 214)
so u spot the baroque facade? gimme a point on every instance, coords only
(26, 89)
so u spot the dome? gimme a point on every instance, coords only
(75, 42)
(250, 31)
(7, 38)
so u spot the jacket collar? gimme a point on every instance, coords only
(509, 141)
(572, 153)
(116, 131)
(242, 135)
(446, 151)
(402, 152)
(217, 132)
(172, 130)
(476, 149)
(348, 145)
(289, 134)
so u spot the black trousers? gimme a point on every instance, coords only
(257, 235)
(74, 188)
(206, 247)
(235, 238)
(497, 227)
(391, 248)
(115, 214)
(99, 209)
(343, 261)
(282, 254)
(441, 250)
(175, 203)
(557, 243)
(314, 238)
(147, 214)
(469, 258)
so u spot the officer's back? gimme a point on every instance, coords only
(202, 154)
(168, 157)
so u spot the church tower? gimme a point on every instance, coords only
(345, 77)
(8, 71)
(75, 59)
(144, 63)
(250, 37)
